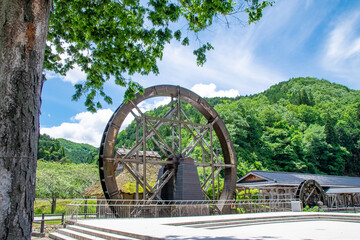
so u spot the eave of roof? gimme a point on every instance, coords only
(265, 184)
(290, 178)
(342, 190)
(255, 174)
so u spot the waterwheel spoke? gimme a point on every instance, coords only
(203, 139)
(154, 129)
(171, 147)
(195, 141)
(168, 174)
(194, 138)
(161, 147)
(150, 133)
(312, 191)
(206, 195)
(138, 177)
(215, 175)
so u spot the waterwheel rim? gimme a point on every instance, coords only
(108, 142)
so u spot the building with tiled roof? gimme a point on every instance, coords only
(339, 190)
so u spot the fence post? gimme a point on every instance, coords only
(42, 225)
(85, 208)
(62, 218)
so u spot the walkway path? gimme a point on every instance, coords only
(187, 228)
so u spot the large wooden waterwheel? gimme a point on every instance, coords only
(204, 143)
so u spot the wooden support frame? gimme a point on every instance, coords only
(177, 120)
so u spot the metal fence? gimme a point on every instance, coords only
(81, 209)
(41, 219)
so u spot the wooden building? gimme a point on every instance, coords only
(339, 191)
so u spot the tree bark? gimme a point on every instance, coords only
(53, 203)
(23, 31)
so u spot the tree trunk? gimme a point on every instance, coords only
(23, 31)
(53, 204)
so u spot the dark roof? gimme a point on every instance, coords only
(121, 152)
(290, 178)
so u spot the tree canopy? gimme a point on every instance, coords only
(116, 39)
(55, 180)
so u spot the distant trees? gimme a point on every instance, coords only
(65, 151)
(50, 150)
(64, 173)
(305, 125)
(79, 152)
(302, 125)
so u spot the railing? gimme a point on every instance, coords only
(41, 219)
(142, 208)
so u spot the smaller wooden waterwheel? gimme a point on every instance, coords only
(310, 193)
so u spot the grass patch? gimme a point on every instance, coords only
(44, 206)
(54, 222)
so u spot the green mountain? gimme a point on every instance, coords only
(79, 152)
(62, 150)
(302, 125)
(50, 149)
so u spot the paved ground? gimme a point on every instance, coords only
(307, 230)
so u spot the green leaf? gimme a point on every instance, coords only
(177, 35)
(185, 41)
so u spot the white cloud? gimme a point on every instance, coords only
(85, 127)
(237, 61)
(232, 65)
(343, 43)
(342, 48)
(129, 118)
(51, 75)
(209, 90)
(150, 104)
(245, 72)
(145, 106)
(288, 24)
(74, 75)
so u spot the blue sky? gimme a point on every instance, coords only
(295, 38)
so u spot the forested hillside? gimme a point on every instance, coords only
(301, 125)
(65, 151)
(79, 152)
(50, 149)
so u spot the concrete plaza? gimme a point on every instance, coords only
(186, 227)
